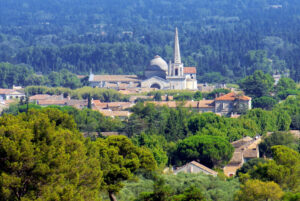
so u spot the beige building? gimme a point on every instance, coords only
(158, 75)
(195, 167)
(245, 149)
(8, 94)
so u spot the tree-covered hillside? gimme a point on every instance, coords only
(225, 39)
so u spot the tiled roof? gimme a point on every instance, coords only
(109, 113)
(199, 166)
(100, 105)
(237, 158)
(109, 133)
(232, 96)
(52, 102)
(10, 91)
(251, 153)
(116, 78)
(192, 104)
(39, 97)
(204, 167)
(241, 142)
(189, 70)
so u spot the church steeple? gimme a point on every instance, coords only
(177, 58)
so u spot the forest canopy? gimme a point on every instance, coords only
(226, 40)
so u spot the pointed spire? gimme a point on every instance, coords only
(177, 58)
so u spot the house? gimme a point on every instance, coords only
(7, 94)
(232, 102)
(114, 106)
(245, 150)
(114, 81)
(46, 100)
(123, 115)
(195, 167)
(223, 105)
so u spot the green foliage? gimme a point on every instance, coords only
(197, 96)
(291, 106)
(285, 84)
(86, 120)
(105, 95)
(14, 74)
(291, 197)
(157, 96)
(157, 144)
(151, 119)
(275, 120)
(257, 85)
(277, 138)
(216, 92)
(211, 151)
(250, 165)
(284, 169)
(119, 160)
(212, 124)
(190, 194)
(43, 157)
(257, 60)
(161, 192)
(264, 102)
(284, 94)
(213, 77)
(178, 186)
(259, 191)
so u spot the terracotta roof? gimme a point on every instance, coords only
(109, 113)
(101, 105)
(10, 91)
(116, 78)
(39, 97)
(192, 104)
(232, 96)
(52, 102)
(109, 133)
(189, 70)
(81, 76)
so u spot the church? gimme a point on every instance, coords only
(158, 74)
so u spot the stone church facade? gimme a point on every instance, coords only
(158, 75)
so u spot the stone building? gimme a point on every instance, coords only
(195, 167)
(8, 94)
(158, 74)
(245, 149)
(232, 103)
(225, 105)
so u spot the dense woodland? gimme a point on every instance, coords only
(226, 40)
(59, 153)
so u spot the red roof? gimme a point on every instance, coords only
(189, 70)
(233, 96)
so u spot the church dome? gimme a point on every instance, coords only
(158, 64)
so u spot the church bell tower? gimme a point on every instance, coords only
(176, 70)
